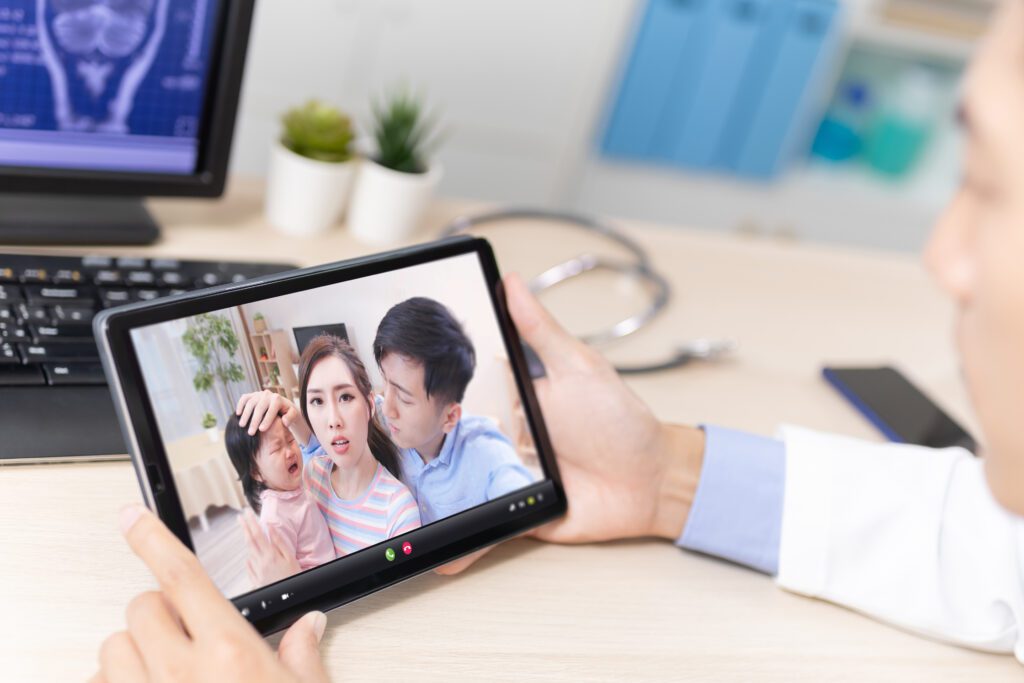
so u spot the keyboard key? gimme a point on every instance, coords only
(97, 262)
(48, 293)
(6, 313)
(146, 294)
(8, 354)
(131, 263)
(67, 276)
(33, 276)
(172, 279)
(73, 313)
(20, 375)
(33, 313)
(208, 280)
(58, 352)
(61, 332)
(108, 278)
(74, 373)
(165, 264)
(10, 294)
(141, 277)
(7, 275)
(12, 332)
(115, 297)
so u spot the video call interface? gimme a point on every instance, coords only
(388, 404)
(115, 85)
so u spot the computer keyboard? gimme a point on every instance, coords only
(54, 403)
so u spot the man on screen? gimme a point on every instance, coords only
(450, 461)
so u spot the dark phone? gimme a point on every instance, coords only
(898, 408)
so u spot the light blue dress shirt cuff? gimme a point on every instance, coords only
(737, 510)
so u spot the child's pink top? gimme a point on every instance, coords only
(298, 521)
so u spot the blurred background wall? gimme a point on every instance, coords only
(826, 120)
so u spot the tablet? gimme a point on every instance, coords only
(404, 430)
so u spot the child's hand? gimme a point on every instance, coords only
(259, 409)
(187, 631)
(269, 560)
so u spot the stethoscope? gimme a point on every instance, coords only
(638, 268)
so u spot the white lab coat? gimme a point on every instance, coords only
(907, 534)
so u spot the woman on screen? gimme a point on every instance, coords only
(351, 465)
(354, 479)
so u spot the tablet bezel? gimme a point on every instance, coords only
(267, 607)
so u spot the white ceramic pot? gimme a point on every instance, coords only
(213, 434)
(306, 197)
(387, 205)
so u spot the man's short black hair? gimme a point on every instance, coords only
(426, 332)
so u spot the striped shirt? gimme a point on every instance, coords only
(385, 510)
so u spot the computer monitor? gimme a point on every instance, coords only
(304, 335)
(104, 102)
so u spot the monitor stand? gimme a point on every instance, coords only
(59, 219)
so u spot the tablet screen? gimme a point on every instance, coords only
(393, 407)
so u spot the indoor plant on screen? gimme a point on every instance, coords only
(311, 170)
(394, 185)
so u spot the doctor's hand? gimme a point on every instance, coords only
(625, 473)
(187, 631)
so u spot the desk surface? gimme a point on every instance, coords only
(530, 611)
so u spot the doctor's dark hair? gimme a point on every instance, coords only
(426, 332)
(242, 449)
(328, 345)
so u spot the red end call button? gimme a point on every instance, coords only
(407, 548)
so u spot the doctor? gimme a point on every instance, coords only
(929, 540)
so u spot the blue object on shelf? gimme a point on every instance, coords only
(841, 133)
(785, 107)
(649, 81)
(722, 84)
(735, 27)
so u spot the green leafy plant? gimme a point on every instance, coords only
(209, 421)
(274, 375)
(318, 131)
(211, 341)
(258, 316)
(403, 134)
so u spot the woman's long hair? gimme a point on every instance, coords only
(327, 345)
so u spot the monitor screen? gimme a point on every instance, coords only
(105, 85)
(304, 335)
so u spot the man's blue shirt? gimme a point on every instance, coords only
(737, 510)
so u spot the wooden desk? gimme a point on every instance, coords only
(528, 611)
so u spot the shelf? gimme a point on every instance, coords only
(903, 40)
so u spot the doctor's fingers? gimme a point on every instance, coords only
(182, 579)
(558, 350)
(157, 632)
(120, 661)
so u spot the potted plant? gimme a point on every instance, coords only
(311, 170)
(263, 353)
(210, 425)
(211, 341)
(259, 324)
(394, 186)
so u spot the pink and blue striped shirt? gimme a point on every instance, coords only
(385, 510)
